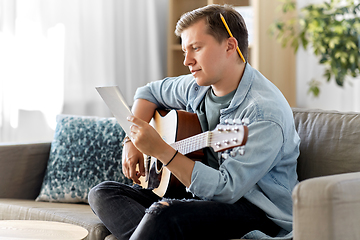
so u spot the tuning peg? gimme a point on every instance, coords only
(237, 121)
(225, 155)
(229, 121)
(236, 129)
(233, 153)
(245, 121)
(241, 150)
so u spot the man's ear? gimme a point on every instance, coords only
(232, 44)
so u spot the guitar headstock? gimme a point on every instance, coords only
(230, 135)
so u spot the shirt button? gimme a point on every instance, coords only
(196, 88)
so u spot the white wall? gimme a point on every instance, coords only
(53, 54)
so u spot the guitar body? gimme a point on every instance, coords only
(182, 131)
(172, 126)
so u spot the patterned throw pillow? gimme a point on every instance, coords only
(85, 151)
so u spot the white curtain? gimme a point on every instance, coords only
(54, 52)
(332, 97)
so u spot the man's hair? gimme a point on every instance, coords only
(215, 26)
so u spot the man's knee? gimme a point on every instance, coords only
(94, 196)
(158, 207)
(168, 211)
(98, 193)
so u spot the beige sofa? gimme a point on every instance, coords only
(326, 202)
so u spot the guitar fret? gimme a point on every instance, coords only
(193, 143)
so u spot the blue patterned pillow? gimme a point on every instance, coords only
(85, 151)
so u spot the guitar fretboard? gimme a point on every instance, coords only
(193, 143)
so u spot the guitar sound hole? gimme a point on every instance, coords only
(158, 166)
(154, 178)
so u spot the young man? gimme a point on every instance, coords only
(232, 196)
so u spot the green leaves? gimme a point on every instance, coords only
(288, 6)
(333, 31)
(314, 87)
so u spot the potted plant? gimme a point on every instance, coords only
(332, 29)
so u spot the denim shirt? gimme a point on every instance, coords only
(266, 174)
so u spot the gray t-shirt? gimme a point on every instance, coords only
(209, 116)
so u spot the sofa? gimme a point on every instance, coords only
(326, 201)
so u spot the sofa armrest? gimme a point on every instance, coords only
(22, 169)
(327, 207)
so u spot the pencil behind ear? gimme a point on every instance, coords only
(231, 36)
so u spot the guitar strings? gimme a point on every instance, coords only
(192, 144)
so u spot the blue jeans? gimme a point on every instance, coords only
(138, 214)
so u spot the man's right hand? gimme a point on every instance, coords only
(131, 158)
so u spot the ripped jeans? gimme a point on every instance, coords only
(139, 214)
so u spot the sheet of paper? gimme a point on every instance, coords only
(117, 105)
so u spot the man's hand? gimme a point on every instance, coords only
(144, 139)
(147, 139)
(131, 158)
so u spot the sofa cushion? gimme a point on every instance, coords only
(330, 142)
(333, 201)
(85, 151)
(23, 167)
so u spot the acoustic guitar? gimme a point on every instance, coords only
(182, 131)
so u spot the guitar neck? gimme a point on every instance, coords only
(193, 143)
(223, 137)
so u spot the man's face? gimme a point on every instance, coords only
(205, 57)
